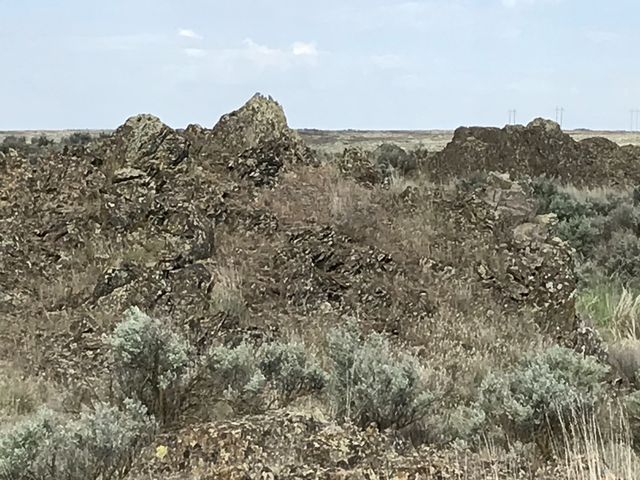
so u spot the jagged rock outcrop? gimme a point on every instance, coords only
(145, 143)
(254, 141)
(358, 164)
(540, 148)
(531, 270)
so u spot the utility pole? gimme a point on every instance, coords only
(512, 117)
(559, 115)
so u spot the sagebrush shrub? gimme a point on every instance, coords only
(372, 383)
(235, 371)
(21, 446)
(290, 370)
(250, 377)
(101, 443)
(150, 362)
(541, 389)
(620, 256)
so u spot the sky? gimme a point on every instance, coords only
(332, 64)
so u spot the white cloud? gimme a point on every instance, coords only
(262, 55)
(186, 33)
(301, 49)
(517, 3)
(195, 52)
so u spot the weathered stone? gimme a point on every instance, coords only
(540, 148)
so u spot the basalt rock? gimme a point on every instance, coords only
(254, 141)
(540, 148)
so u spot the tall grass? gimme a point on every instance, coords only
(591, 452)
(613, 307)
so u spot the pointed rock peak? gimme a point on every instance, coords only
(259, 109)
(142, 119)
(260, 120)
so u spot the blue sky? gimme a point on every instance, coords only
(363, 64)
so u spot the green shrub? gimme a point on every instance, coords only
(620, 257)
(99, 444)
(235, 371)
(41, 141)
(77, 138)
(250, 377)
(21, 446)
(390, 157)
(371, 383)
(543, 388)
(150, 362)
(291, 371)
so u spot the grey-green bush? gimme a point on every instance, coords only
(22, 444)
(620, 256)
(251, 377)
(101, 443)
(291, 370)
(150, 363)
(541, 389)
(235, 371)
(371, 383)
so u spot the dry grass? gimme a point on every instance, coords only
(584, 194)
(21, 395)
(615, 308)
(226, 295)
(319, 195)
(593, 453)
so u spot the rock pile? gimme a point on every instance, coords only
(540, 148)
(300, 445)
